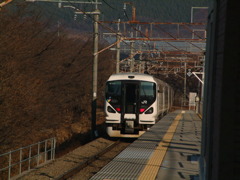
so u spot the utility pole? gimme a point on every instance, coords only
(131, 56)
(185, 84)
(95, 14)
(95, 71)
(118, 48)
(140, 59)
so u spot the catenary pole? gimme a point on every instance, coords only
(95, 71)
(185, 85)
(118, 48)
(131, 56)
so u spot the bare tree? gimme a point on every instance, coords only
(45, 80)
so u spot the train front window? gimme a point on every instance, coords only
(147, 89)
(113, 88)
(147, 95)
(113, 94)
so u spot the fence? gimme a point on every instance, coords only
(22, 160)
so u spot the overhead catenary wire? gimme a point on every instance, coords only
(134, 28)
(111, 30)
(109, 5)
(125, 13)
(114, 31)
(113, 8)
(101, 24)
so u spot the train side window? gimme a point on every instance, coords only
(160, 89)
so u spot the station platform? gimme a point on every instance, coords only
(168, 151)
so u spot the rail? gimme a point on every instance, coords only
(24, 159)
(80, 166)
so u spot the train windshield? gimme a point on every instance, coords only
(147, 89)
(113, 94)
(130, 96)
(114, 88)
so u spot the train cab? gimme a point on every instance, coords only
(132, 104)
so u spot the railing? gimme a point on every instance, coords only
(15, 163)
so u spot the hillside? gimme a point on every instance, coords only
(46, 80)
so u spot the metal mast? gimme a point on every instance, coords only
(95, 70)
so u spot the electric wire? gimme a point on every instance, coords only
(101, 24)
(109, 5)
(112, 30)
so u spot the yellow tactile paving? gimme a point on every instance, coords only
(151, 169)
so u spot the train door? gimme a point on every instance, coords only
(130, 106)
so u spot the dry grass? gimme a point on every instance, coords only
(45, 81)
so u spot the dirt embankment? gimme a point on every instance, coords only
(46, 81)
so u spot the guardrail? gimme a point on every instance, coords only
(14, 163)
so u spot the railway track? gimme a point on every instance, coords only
(75, 170)
(81, 163)
(99, 161)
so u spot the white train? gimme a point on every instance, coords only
(134, 103)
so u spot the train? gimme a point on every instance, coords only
(134, 102)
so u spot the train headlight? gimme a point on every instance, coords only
(149, 111)
(111, 110)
